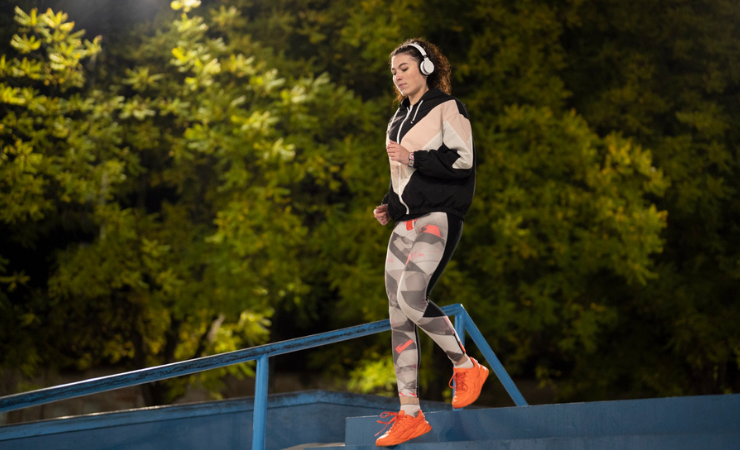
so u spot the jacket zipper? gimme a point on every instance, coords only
(400, 127)
(417, 111)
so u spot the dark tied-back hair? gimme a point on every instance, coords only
(440, 78)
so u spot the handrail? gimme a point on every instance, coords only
(261, 353)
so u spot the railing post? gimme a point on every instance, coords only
(259, 421)
(493, 361)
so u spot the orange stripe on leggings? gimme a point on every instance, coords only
(404, 346)
(432, 229)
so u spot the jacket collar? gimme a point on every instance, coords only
(431, 93)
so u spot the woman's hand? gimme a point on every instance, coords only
(397, 153)
(381, 214)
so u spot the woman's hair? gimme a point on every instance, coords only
(440, 78)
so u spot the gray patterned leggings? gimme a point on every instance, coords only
(418, 252)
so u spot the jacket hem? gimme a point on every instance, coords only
(420, 212)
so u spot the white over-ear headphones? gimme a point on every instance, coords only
(427, 66)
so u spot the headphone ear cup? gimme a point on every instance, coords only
(427, 66)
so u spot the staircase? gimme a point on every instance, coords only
(299, 419)
(681, 423)
(288, 421)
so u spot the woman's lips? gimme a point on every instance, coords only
(401, 86)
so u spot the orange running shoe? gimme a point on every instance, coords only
(404, 428)
(468, 384)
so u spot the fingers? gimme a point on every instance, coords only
(381, 214)
(397, 153)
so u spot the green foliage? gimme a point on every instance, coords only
(57, 146)
(675, 97)
(577, 217)
(561, 217)
(185, 183)
(35, 127)
(375, 374)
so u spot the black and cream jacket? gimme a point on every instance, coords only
(442, 179)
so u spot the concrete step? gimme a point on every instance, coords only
(643, 442)
(696, 416)
(292, 419)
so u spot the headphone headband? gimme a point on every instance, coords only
(427, 66)
(418, 47)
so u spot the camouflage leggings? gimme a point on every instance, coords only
(418, 252)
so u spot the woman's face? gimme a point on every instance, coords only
(407, 77)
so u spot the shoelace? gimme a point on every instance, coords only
(387, 424)
(459, 379)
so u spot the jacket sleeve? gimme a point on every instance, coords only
(454, 158)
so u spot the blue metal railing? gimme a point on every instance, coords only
(463, 323)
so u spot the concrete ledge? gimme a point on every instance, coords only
(653, 442)
(294, 418)
(681, 423)
(704, 415)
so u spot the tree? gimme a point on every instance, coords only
(194, 217)
(57, 146)
(562, 216)
(668, 76)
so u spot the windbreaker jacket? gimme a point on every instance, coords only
(437, 130)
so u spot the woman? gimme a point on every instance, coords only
(430, 146)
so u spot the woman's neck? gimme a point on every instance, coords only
(417, 96)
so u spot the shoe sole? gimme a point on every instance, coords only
(423, 430)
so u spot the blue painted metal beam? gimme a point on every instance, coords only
(148, 375)
(112, 382)
(493, 361)
(259, 424)
(163, 372)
